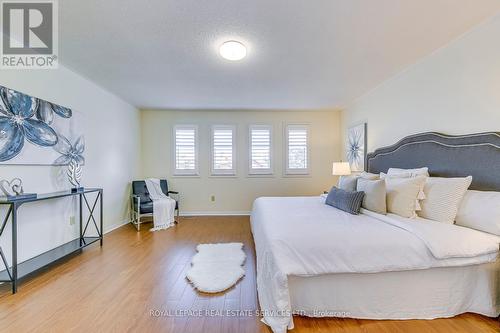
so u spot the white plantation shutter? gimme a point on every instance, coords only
(297, 149)
(186, 149)
(223, 150)
(260, 149)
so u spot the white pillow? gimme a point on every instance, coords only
(348, 183)
(409, 173)
(480, 210)
(368, 175)
(375, 195)
(402, 195)
(443, 197)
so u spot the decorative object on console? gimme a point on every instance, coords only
(74, 173)
(29, 125)
(356, 147)
(13, 190)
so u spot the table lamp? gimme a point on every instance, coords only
(341, 169)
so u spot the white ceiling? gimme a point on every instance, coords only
(302, 54)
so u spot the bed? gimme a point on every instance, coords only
(315, 260)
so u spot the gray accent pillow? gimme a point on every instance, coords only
(348, 183)
(348, 201)
(375, 195)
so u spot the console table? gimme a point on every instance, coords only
(20, 270)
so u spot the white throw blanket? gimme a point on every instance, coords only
(304, 237)
(163, 206)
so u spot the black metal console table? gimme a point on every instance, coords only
(20, 270)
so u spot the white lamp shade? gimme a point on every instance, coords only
(341, 169)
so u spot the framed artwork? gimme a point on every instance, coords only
(356, 147)
(37, 132)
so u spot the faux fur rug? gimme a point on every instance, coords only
(216, 267)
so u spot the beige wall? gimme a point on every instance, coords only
(455, 90)
(236, 194)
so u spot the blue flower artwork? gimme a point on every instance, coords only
(356, 147)
(30, 128)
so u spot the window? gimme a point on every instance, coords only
(260, 139)
(297, 150)
(223, 150)
(186, 150)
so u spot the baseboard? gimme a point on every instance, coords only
(186, 214)
(215, 213)
(115, 226)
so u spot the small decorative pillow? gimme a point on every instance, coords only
(348, 201)
(402, 195)
(480, 210)
(348, 183)
(443, 198)
(375, 195)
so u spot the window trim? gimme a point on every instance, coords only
(223, 172)
(297, 172)
(184, 172)
(261, 172)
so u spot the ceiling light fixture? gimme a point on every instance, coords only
(233, 50)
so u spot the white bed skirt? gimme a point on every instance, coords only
(417, 294)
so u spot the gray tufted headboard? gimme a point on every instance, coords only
(477, 155)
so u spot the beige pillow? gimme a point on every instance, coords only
(408, 173)
(375, 195)
(402, 195)
(443, 198)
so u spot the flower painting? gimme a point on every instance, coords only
(356, 147)
(34, 131)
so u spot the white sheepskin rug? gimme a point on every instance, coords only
(216, 267)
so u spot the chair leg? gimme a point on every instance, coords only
(178, 216)
(136, 221)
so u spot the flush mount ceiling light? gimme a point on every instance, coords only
(233, 50)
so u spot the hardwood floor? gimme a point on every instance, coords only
(131, 283)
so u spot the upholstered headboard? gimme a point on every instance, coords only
(477, 155)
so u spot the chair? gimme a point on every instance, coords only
(141, 204)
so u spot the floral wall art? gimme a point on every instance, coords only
(37, 132)
(356, 147)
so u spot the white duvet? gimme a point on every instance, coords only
(302, 236)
